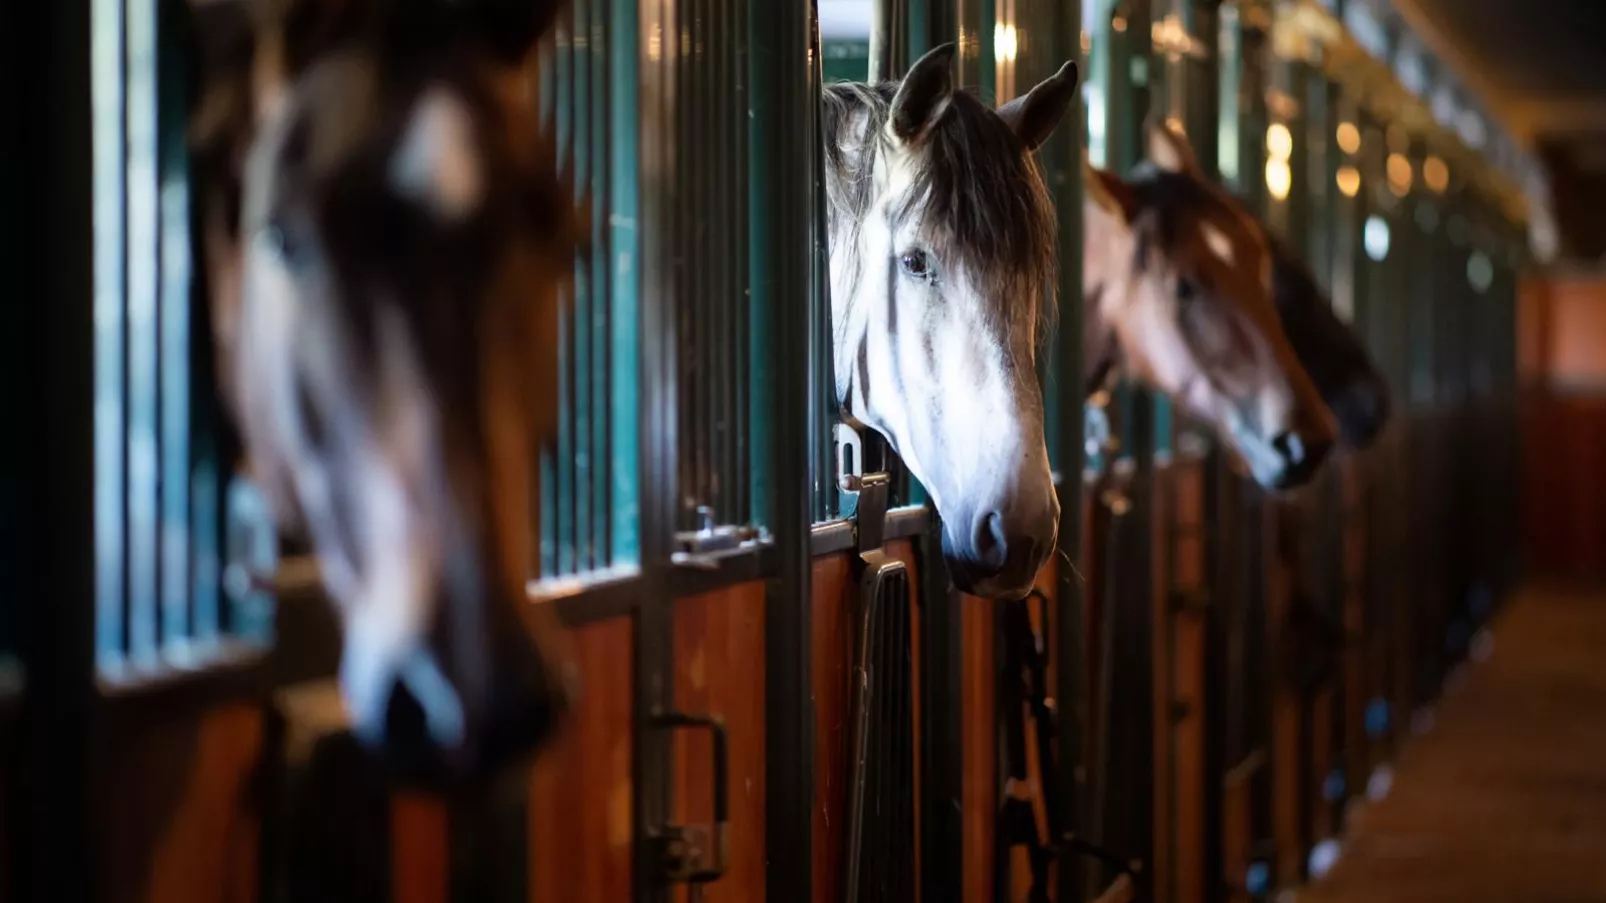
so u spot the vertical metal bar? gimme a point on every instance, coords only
(788, 292)
(571, 355)
(177, 532)
(604, 463)
(884, 24)
(107, 58)
(1063, 403)
(142, 260)
(622, 215)
(71, 155)
(588, 463)
(659, 423)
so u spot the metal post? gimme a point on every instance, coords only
(788, 296)
(49, 267)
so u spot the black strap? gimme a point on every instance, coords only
(1023, 694)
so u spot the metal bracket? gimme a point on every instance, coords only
(873, 489)
(697, 854)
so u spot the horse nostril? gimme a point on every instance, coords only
(989, 542)
(1290, 447)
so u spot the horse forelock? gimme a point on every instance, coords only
(971, 190)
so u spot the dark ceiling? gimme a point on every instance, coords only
(1539, 66)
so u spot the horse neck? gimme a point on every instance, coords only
(1100, 350)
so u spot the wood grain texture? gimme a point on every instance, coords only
(581, 820)
(180, 820)
(719, 670)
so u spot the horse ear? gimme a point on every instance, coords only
(924, 95)
(1169, 148)
(1035, 116)
(1107, 193)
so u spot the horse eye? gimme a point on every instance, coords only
(1187, 289)
(916, 264)
(282, 241)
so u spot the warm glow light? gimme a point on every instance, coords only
(1118, 23)
(1279, 142)
(1004, 42)
(1349, 138)
(1279, 178)
(1399, 170)
(1436, 174)
(1349, 181)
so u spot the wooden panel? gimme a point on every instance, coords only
(978, 691)
(719, 670)
(420, 861)
(1563, 485)
(1181, 700)
(831, 648)
(1161, 546)
(1322, 713)
(1287, 710)
(180, 819)
(835, 591)
(581, 818)
(1562, 332)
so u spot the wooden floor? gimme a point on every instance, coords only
(1503, 798)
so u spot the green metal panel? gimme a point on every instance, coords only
(589, 476)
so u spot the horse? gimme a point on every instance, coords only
(1338, 363)
(386, 233)
(1178, 294)
(942, 258)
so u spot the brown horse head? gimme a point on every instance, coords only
(387, 233)
(1339, 365)
(1179, 289)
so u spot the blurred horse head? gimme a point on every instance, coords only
(1178, 282)
(386, 232)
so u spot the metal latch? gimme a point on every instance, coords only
(697, 854)
(873, 489)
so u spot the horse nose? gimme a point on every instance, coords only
(433, 731)
(1301, 456)
(998, 554)
(990, 543)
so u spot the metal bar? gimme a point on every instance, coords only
(659, 423)
(179, 616)
(883, 30)
(787, 300)
(624, 299)
(56, 169)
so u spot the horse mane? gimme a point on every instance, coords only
(1169, 196)
(982, 200)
